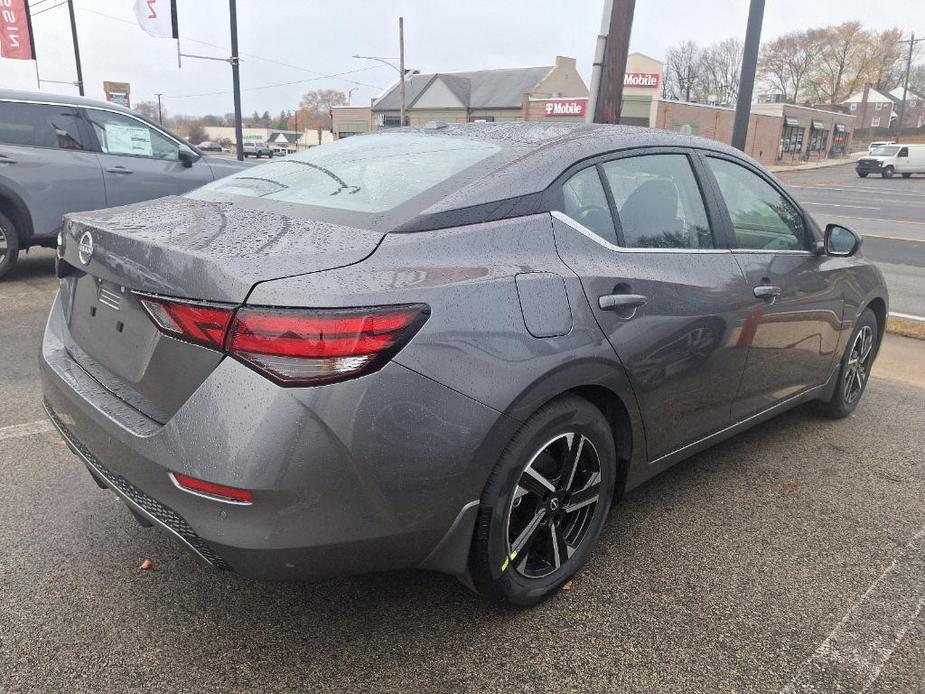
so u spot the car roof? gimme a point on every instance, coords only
(67, 99)
(536, 154)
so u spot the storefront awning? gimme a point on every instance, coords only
(791, 121)
(840, 128)
(819, 125)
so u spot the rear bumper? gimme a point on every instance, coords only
(360, 476)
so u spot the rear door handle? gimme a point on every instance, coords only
(767, 292)
(118, 170)
(615, 302)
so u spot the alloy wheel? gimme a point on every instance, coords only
(857, 369)
(4, 245)
(553, 505)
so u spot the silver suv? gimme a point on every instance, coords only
(62, 154)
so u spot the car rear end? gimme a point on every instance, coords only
(279, 441)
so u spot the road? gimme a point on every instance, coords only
(890, 213)
(783, 555)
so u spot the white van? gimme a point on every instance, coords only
(879, 143)
(887, 160)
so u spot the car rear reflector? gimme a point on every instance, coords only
(200, 323)
(315, 346)
(219, 492)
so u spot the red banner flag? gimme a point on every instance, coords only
(16, 30)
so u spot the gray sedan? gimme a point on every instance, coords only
(62, 154)
(450, 348)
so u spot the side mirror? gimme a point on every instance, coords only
(841, 241)
(187, 157)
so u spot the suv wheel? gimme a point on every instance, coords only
(545, 503)
(9, 246)
(888, 172)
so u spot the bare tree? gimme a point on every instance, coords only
(843, 62)
(786, 61)
(195, 133)
(886, 64)
(315, 108)
(682, 71)
(149, 109)
(720, 65)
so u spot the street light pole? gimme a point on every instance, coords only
(236, 79)
(160, 117)
(80, 76)
(401, 66)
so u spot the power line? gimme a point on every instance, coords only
(271, 86)
(46, 9)
(248, 55)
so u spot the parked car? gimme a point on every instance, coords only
(209, 146)
(888, 160)
(62, 154)
(257, 149)
(449, 348)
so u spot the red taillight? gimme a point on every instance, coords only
(294, 347)
(210, 489)
(310, 347)
(204, 324)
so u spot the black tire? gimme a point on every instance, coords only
(9, 246)
(848, 392)
(907, 175)
(862, 174)
(888, 172)
(508, 509)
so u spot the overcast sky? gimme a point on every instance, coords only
(316, 39)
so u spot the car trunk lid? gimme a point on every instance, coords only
(196, 250)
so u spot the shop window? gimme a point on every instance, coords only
(393, 121)
(481, 119)
(817, 140)
(792, 140)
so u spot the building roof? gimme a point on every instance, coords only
(897, 94)
(873, 97)
(500, 88)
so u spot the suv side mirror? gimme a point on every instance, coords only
(187, 157)
(841, 241)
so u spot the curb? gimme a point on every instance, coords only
(906, 325)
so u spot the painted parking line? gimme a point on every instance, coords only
(854, 654)
(15, 431)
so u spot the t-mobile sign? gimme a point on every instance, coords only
(643, 80)
(566, 107)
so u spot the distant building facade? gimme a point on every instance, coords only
(871, 108)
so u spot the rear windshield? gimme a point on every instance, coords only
(884, 151)
(362, 174)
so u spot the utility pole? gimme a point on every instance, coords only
(608, 96)
(236, 79)
(80, 76)
(747, 76)
(160, 117)
(902, 106)
(401, 66)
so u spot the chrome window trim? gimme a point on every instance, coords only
(105, 110)
(582, 229)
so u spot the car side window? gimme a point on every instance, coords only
(586, 202)
(40, 125)
(904, 152)
(658, 202)
(762, 218)
(118, 134)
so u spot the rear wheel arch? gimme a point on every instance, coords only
(614, 410)
(878, 306)
(13, 208)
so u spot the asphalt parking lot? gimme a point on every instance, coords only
(791, 558)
